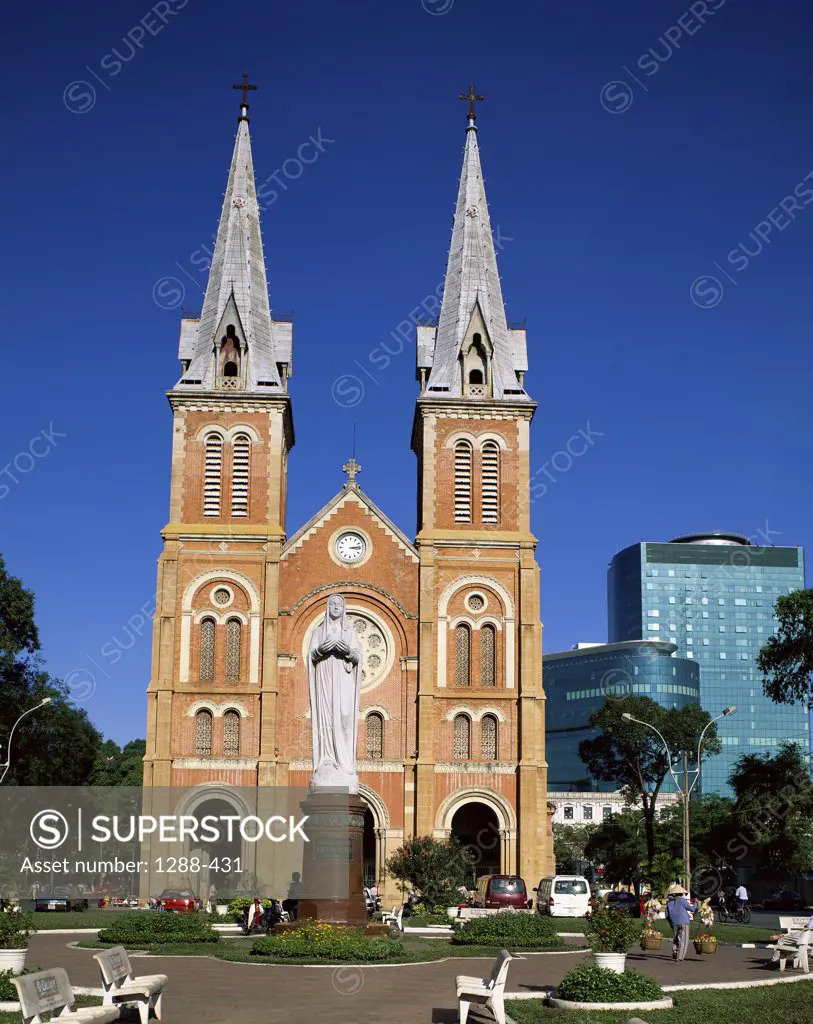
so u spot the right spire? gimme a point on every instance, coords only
(473, 353)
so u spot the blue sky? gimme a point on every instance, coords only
(629, 150)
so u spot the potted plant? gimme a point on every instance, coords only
(705, 942)
(651, 938)
(610, 933)
(15, 930)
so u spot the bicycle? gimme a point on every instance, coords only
(741, 914)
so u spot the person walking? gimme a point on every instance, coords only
(291, 904)
(679, 912)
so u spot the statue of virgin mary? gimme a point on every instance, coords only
(334, 680)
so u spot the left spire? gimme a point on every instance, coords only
(235, 345)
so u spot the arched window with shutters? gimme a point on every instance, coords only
(231, 733)
(234, 636)
(462, 647)
(203, 733)
(462, 482)
(375, 736)
(488, 647)
(212, 474)
(490, 463)
(207, 650)
(241, 459)
(488, 738)
(462, 737)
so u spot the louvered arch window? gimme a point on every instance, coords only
(462, 737)
(375, 736)
(207, 650)
(462, 482)
(490, 463)
(488, 637)
(203, 733)
(488, 738)
(240, 470)
(231, 733)
(212, 474)
(462, 646)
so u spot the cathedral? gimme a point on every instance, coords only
(451, 737)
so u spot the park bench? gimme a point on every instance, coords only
(51, 992)
(121, 987)
(488, 991)
(789, 949)
(396, 918)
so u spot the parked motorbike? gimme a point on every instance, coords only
(258, 918)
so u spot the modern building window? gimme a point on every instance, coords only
(462, 482)
(488, 738)
(462, 644)
(568, 814)
(212, 474)
(231, 733)
(375, 736)
(207, 650)
(491, 482)
(203, 733)
(241, 456)
(488, 635)
(234, 632)
(462, 738)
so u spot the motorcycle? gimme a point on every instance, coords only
(372, 902)
(258, 918)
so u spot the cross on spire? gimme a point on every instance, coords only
(472, 98)
(352, 468)
(245, 88)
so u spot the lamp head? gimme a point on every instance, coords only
(729, 710)
(45, 700)
(627, 716)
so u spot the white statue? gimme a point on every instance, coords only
(334, 680)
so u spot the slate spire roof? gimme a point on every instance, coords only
(472, 281)
(237, 290)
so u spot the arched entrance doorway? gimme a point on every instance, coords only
(370, 850)
(225, 854)
(476, 827)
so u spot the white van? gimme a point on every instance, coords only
(563, 896)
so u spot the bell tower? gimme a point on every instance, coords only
(481, 706)
(212, 713)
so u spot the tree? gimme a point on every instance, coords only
(57, 745)
(786, 660)
(616, 844)
(633, 756)
(434, 867)
(773, 811)
(119, 766)
(569, 842)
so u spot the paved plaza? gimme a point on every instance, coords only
(209, 991)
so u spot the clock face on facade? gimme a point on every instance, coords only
(350, 547)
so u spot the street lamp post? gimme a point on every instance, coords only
(686, 788)
(7, 763)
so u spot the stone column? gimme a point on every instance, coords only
(333, 867)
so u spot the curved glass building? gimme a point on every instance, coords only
(577, 683)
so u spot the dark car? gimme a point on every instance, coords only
(178, 901)
(61, 899)
(626, 901)
(783, 899)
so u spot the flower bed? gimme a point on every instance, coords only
(507, 930)
(326, 942)
(148, 929)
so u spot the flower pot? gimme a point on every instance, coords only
(651, 941)
(222, 909)
(611, 961)
(453, 912)
(12, 960)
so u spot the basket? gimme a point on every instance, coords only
(705, 945)
(651, 941)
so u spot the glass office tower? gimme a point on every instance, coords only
(578, 682)
(713, 596)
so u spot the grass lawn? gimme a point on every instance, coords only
(14, 1016)
(791, 1004)
(47, 920)
(239, 950)
(734, 933)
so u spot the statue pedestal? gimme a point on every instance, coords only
(332, 872)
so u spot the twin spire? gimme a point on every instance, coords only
(235, 345)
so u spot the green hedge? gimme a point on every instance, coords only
(159, 928)
(589, 984)
(508, 929)
(325, 942)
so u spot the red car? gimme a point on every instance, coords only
(178, 901)
(501, 892)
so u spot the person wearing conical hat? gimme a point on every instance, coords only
(679, 910)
